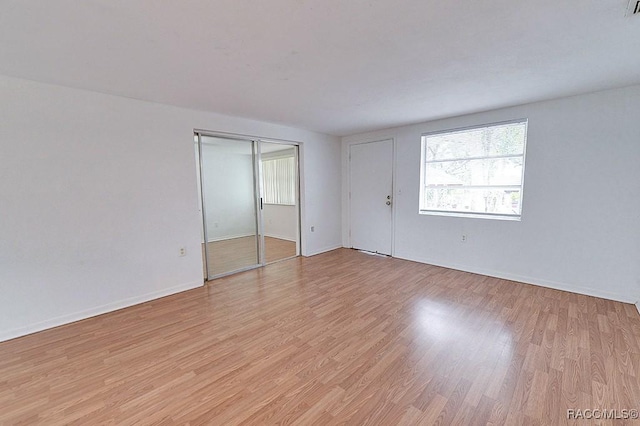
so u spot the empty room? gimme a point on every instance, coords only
(319, 212)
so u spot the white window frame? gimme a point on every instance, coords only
(473, 214)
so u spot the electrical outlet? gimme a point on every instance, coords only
(182, 251)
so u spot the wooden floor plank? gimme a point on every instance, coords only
(338, 338)
(237, 253)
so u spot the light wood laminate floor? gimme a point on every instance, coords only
(238, 253)
(339, 338)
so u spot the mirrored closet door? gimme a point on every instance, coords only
(279, 189)
(250, 210)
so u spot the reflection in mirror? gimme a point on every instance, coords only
(229, 204)
(279, 193)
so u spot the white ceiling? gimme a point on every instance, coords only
(334, 66)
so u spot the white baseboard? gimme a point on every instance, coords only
(98, 310)
(527, 280)
(323, 250)
(280, 237)
(231, 237)
(638, 306)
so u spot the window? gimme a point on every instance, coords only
(279, 180)
(474, 172)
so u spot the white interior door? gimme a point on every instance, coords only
(371, 195)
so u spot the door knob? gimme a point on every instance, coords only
(388, 203)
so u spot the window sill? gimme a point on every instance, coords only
(512, 218)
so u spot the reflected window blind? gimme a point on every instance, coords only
(278, 181)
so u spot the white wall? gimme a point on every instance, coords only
(280, 221)
(99, 193)
(229, 193)
(580, 225)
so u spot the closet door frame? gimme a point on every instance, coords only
(200, 167)
(258, 194)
